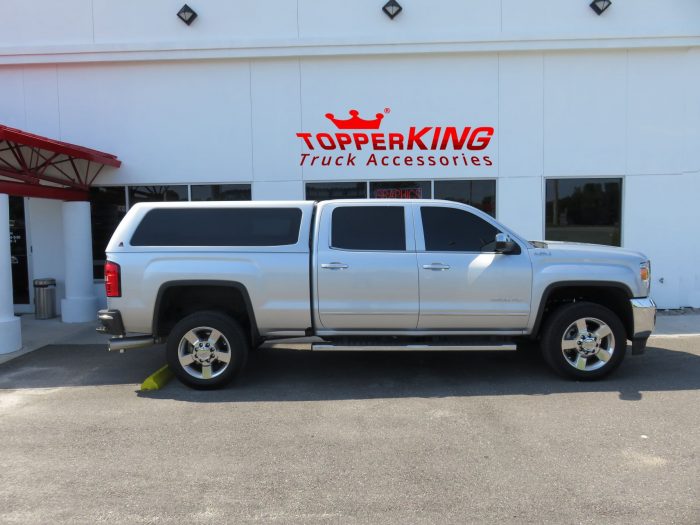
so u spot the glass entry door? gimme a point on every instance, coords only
(18, 252)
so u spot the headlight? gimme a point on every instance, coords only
(645, 273)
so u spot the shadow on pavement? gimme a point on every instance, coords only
(295, 375)
(79, 365)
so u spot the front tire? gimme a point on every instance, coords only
(206, 350)
(584, 341)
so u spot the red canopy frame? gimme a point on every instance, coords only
(36, 166)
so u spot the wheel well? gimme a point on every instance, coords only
(614, 298)
(177, 301)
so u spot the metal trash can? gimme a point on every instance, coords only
(44, 298)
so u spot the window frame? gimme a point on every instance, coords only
(250, 247)
(327, 224)
(420, 233)
(623, 185)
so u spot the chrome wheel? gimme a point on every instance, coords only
(204, 352)
(588, 344)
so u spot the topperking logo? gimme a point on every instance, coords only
(359, 141)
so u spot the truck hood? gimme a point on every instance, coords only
(587, 251)
(555, 261)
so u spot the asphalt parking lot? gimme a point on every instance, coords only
(352, 438)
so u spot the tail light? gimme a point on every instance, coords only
(113, 285)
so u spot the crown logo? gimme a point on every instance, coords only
(355, 122)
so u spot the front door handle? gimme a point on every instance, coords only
(334, 266)
(436, 266)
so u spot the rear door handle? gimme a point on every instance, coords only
(334, 266)
(436, 266)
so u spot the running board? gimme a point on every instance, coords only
(328, 347)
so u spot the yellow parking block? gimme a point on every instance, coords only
(157, 379)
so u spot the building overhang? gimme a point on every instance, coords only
(36, 166)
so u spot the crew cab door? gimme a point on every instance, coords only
(366, 269)
(464, 283)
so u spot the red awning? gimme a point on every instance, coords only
(36, 166)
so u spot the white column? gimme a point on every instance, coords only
(10, 329)
(80, 304)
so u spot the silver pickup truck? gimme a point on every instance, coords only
(214, 280)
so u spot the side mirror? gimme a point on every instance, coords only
(504, 244)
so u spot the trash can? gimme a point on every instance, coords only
(44, 298)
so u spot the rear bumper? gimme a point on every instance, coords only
(643, 321)
(111, 322)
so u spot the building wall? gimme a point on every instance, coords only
(106, 24)
(222, 100)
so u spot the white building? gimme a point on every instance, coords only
(590, 124)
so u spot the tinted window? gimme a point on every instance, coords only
(411, 189)
(218, 227)
(220, 192)
(584, 210)
(157, 194)
(453, 230)
(18, 251)
(107, 208)
(369, 228)
(323, 191)
(478, 193)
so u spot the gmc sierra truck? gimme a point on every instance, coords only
(214, 280)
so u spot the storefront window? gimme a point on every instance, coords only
(157, 194)
(584, 210)
(18, 252)
(220, 192)
(107, 208)
(414, 189)
(478, 193)
(323, 191)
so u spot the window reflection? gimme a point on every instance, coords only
(220, 192)
(584, 210)
(414, 189)
(157, 194)
(107, 209)
(323, 191)
(478, 193)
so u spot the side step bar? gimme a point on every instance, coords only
(119, 344)
(328, 347)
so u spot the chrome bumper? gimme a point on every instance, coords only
(643, 320)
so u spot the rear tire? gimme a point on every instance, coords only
(206, 350)
(584, 341)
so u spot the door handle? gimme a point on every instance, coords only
(334, 266)
(436, 266)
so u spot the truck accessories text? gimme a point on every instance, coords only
(433, 139)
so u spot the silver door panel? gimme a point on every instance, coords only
(365, 290)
